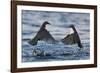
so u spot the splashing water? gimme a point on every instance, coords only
(54, 52)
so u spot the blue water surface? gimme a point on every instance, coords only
(31, 22)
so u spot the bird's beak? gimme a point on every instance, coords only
(49, 24)
(69, 26)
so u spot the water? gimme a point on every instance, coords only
(31, 22)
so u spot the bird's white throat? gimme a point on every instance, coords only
(71, 31)
(48, 27)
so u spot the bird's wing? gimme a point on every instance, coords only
(69, 39)
(43, 35)
(72, 39)
(33, 41)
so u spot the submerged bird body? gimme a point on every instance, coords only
(43, 35)
(72, 38)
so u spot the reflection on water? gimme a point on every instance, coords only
(31, 22)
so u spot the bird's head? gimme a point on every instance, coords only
(46, 23)
(71, 26)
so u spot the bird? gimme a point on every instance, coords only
(43, 35)
(72, 38)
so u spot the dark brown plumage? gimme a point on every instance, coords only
(42, 34)
(73, 38)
